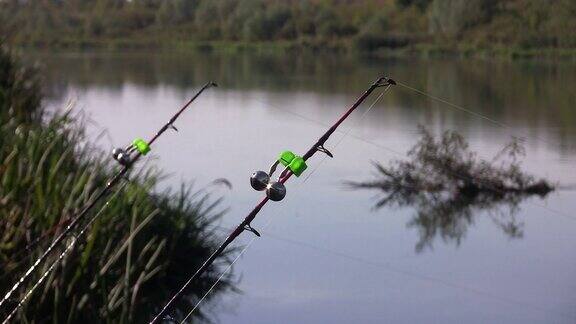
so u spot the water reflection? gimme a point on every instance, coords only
(448, 186)
(449, 216)
(234, 132)
(526, 96)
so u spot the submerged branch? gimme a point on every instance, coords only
(448, 184)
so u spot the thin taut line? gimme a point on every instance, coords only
(284, 176)
(466, 110)
(60, 258)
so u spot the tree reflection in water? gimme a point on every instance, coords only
(449, 185)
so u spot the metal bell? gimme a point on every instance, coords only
(275, 191)
(259, 180)
(116, 152)
(123, 158)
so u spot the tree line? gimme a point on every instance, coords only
(359, 24)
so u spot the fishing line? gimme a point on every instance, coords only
(364, 114)
(387, 266)
(382, 147)
(266, 226)
(127, 158)
(219, 279)
(260, 178)
(62, 255)
(322, 249)
(44, 237)
(323, 124)
(228, 268)
(275, 190)
(70, 246)
(381, 265)
(430, 96)
(468, 111)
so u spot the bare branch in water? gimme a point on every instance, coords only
(448, 184)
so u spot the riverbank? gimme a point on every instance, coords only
(457, 51)
(130, 260)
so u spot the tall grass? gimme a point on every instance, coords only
(139, 251)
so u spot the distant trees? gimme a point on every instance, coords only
(365, 24)
(454, 16)
(269, 23)
(420, 4)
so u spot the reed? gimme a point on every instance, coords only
(131, 258)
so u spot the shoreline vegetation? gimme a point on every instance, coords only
(511, 29)
(134, 256)
(231, 47)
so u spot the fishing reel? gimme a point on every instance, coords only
(275, 190)
(123, 156)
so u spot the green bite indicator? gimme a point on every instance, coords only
(286, 157)
(141, 146)
(295, 163)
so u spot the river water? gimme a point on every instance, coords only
(326, 254)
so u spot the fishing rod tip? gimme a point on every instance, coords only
(213, 84)
(385, 81)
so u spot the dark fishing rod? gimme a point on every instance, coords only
(127, 158)
(62, 255)
(275, 190)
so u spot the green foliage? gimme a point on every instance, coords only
(269, 24)
(455, 16)
(420, 4)
(19, 89)
(444, 24)
(139, 251)
(375, 34)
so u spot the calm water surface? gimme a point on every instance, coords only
(327, 255)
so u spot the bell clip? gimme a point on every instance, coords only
(259, 180)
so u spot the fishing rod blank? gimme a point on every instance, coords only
(275, 190)
(62, 255)
(127, 158)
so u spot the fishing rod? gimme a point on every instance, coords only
(275, 190)
(61, 257)
(127, 157)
